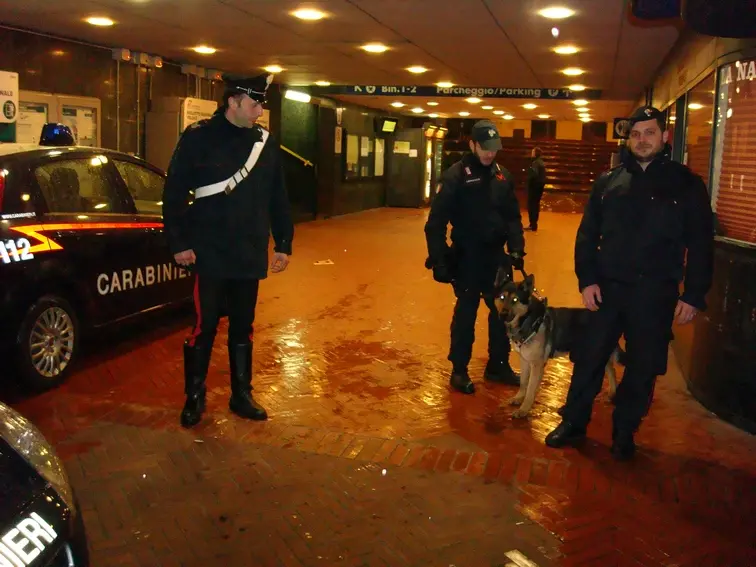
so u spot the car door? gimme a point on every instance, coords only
(145, 187)
(88, 215)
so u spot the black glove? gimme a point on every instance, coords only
(442, 273)
(518, 260)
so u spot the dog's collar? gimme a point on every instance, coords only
(531, 323)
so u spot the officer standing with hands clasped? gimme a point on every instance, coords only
(477, 197)
(630, 257)
(233, 168)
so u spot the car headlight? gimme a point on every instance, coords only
(28, 441)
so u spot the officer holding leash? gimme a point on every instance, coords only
(233, 168)
(477, 197)
(630, 256)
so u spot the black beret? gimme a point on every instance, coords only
(646, 113)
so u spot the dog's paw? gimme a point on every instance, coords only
(516, 401)
(520, 413)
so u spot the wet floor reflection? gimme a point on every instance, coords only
(363, 351)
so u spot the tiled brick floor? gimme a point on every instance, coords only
(350, 361)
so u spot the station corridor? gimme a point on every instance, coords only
(350, 362)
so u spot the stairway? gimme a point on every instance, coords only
(571, 165)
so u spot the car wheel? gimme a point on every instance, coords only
(48, 342)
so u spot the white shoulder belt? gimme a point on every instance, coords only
(228, 185)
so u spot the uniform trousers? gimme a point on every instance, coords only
(644, 312)
(215, 296)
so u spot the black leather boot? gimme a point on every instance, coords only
(196, 363)
(241, 402)
(501, 372)
(623, 444)
(565, 434)
(460, 381)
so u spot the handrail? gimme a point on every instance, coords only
(306, 162)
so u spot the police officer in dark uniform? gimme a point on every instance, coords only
(224, 195)
(630, 257)
(477, 197)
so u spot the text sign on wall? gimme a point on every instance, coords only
(621, 129)
(8, 97)
(434, 91)
(196, 109)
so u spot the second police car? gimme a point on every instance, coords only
(81, 247)
(41, 522)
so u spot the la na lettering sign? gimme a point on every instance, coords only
(740, 71)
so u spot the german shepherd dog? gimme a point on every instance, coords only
(539, 332)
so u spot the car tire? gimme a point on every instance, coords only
(47, 343)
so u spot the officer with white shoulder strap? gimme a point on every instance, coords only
(223, 197)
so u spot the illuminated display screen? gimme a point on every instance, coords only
(388, 125)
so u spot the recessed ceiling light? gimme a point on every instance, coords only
(473, 100)
(417, 69)
(308, 14)
(508, 117)
(529, 106)
(445, 85)
(573, 71)
(487, 107)
(585, 119)
(695, 106)
(204, 49)
(556, 12)
(375, 48)
(543, 116)
(273, 69)
(584, 115)
(397, 104)
(498, 112)
(418, 110)
(433, 115)
(577, 88)
(566, 49)
(433, 103)
(100, 21)
(322, 83)
(463, 113)
(555, 32)
(580, 102)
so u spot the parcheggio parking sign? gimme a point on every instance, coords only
(8, 97)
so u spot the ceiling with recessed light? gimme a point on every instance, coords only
(500, 43)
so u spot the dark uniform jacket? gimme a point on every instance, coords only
(640, 224)
(229, 234)
(481, 205)
(537, 174)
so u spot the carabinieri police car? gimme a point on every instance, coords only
(81, 247)
(41, 524)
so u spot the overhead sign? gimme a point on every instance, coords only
(8, 97)
(435, 91)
